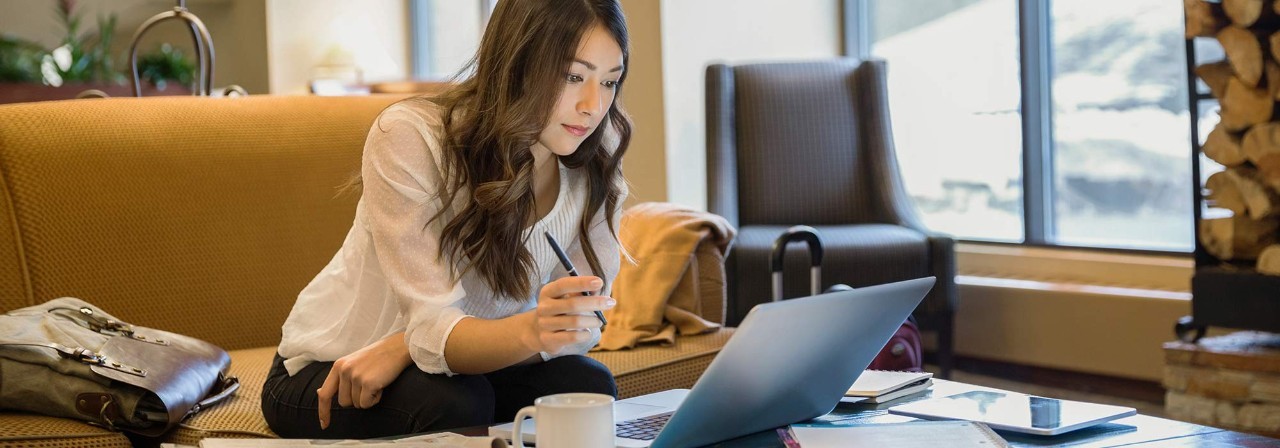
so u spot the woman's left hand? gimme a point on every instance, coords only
(358, 379)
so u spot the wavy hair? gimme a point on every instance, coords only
(492, 118)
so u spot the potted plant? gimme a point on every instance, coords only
(165, 65)
(83, 61)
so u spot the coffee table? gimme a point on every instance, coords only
(1135, 431)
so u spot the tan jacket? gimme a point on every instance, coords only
(679, 255)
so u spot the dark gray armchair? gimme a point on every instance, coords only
(810, 143)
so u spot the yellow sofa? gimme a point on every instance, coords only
(205, 217)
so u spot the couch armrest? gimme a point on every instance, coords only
(713, 299)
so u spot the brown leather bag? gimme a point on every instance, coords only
(67, 358)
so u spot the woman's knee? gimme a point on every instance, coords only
(440, 402)
(578, 373)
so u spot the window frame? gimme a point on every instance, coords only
(1038, 170)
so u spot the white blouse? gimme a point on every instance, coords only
(386, 277)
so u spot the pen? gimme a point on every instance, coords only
(568, 266)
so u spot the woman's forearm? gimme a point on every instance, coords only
(478, 346)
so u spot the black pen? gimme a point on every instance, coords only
(568, 266)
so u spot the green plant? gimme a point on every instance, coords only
(164, 65)
(81, 58)
(19, 60)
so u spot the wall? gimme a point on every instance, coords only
(303, 33)
(1078, 310)
(645, 164)
(238, 30)
(265, 46)
(1067, 327)
(698, 33)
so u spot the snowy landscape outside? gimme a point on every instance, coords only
(1120, 124)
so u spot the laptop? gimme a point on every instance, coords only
(789, 361)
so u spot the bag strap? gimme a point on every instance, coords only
(225, 387)
(84, 356)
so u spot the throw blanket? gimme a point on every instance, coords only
(658, 295)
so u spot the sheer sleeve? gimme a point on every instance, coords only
(400, 178)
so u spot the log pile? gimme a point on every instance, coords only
(1247, 138)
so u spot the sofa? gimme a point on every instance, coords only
(205, 217)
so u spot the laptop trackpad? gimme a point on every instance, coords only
(623, 411)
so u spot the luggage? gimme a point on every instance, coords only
(903, 352)
(67, 358)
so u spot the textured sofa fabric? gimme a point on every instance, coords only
(204, 217)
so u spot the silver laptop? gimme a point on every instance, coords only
(789, 361)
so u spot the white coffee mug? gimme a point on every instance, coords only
(576, 420)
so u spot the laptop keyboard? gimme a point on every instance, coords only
(643, 428)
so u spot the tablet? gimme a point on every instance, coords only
(1012, 411)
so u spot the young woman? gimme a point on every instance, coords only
(445, 306)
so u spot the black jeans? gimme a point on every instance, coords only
(420, 402)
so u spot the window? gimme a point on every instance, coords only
(446, 34)
(1090, 94)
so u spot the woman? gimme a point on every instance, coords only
(445, 307)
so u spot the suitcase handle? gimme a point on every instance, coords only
(794, 234)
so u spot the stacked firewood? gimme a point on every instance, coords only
(1247, 138)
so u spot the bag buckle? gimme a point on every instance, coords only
(87, 356)
(99, 324)
(102, 325)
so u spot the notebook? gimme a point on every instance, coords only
(900, 435)
(879, 386)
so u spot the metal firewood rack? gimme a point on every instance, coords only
(1223, 293)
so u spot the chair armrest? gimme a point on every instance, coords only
(942, 264)
(722, 159)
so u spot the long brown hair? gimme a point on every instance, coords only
(492, 118)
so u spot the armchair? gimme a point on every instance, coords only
(811, 143)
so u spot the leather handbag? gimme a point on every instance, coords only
(67, 358)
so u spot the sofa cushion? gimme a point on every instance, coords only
(651, 368)
(35, 430)
(239, 416)
(182, 213)
(13, 284)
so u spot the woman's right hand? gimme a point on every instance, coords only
(357, 380)
(564, 317)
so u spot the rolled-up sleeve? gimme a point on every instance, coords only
(400, 181)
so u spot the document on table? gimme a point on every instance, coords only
(951, 434)
(439, 440)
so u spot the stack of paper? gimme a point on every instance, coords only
(438, 440)
(879, 386)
